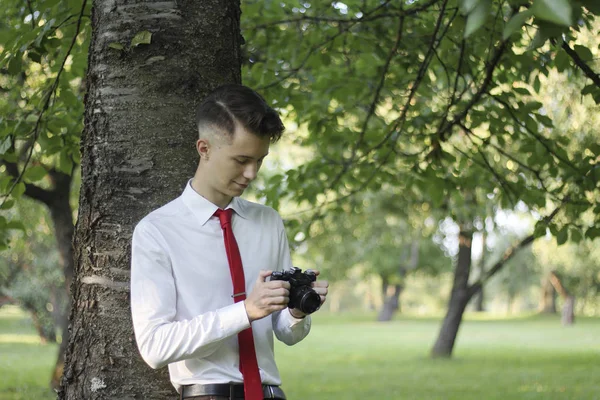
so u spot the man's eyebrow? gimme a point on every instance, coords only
(250, 157)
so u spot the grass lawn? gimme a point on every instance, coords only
(25, 364)
(525, 358)
(349, 357)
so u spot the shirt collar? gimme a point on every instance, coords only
(203, 209)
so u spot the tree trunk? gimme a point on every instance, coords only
(459, 297)
(568, 311)
(391, 295)
(391, 300)
(46, 335)
(62, 218)
(137, 154)
(479, 297)
(548, 299)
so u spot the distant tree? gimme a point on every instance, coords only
(436, 95)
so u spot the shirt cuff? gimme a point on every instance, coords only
(234, 318)
(293, 320)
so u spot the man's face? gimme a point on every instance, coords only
(229, 165)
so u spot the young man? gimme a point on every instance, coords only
(192, 258)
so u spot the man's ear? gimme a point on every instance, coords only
(203, 148)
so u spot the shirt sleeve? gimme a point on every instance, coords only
(287, 328)
(160, 338)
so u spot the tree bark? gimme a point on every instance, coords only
(391, 300)
(62, 218)
(459, 297)
(548, 298)
(479, 296)
(137, 154)
(568, 311)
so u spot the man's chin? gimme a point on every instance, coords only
(237, 191)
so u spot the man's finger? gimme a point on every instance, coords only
(277, 285)
(263, 274)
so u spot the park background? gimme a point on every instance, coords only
(439, 167)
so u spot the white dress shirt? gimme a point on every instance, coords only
(181, 291)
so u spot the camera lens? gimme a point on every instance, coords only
(309, 301)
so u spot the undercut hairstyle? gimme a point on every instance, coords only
(231, 104)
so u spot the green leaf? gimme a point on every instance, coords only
(584, 53)
(544, 120)
(562, 236)
(67, 96)
(576, 235)
(65, 163)
(15, 225)
(540, 150)
(592, 233)
(35, 173)
(588, 89)
(466, 6)
(18, 190)
(143, 37)
(595, 148)
(537, 84)
(557, 11)
(5, 145)
(523, 91)
(15, 65)
(540, 229)
(7, 204)
(34, 56)
(477, 17)
(538, 40)
(562, 60)
(515, 23)
(116, 46)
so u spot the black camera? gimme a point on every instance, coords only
(302, 295)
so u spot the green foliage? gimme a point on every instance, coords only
(577, 265)
(29, 269)
(378, 236)
(556, 11)
(393, 98)
(43, 58)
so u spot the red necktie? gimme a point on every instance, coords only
(248, 364)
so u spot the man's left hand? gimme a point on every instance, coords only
(321, 287)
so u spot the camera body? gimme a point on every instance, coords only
(302, 295)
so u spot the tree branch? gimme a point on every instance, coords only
(582, 64)
(31, 190)
(508, 254)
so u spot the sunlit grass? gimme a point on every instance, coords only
(351, 357)
(518, 358)
(25, 364)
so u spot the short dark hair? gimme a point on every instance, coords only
(231, 104)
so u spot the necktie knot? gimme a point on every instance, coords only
(224, 216)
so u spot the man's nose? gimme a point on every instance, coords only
(251, 171)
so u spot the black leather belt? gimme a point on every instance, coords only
(233, 391)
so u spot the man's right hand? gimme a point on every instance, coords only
(266, 297)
